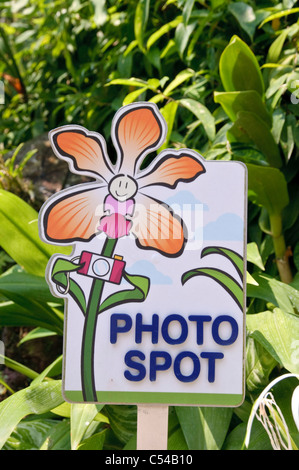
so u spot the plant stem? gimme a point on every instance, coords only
(280, 250)
(89, 331)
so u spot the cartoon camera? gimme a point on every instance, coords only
(102, 267)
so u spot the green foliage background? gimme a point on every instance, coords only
(225, 77)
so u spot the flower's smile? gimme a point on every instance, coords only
(122, 187)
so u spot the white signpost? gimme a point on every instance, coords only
(155, 285)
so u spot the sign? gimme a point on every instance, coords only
(154, 287)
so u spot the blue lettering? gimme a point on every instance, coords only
(156, 365)
(211, 356)
(199, 319)
(184, 329)
(153, 328)
(129, 361)
(177, 367)
(115, 328)
(215, 330)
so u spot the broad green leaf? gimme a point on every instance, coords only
(58, 437)
(131, 97)
(246, 17)
(19, 235)
(279, 14)
(182, 36)
(276, 47)
(203, 114)
(235, 101)
(36, 399)
(53, 369)
(180, 78)
(30, 292)
(37, 333)
(259, 365)
(239, 68)
(13, 314)
(278, 293)
(94, 442)
(140, 21)
(30, 435)
(267, 187)
(123, 421)
(225, 280)
(128, 81)
(257, 131)
(278, 332)
(169, 113)
(259, 439)
(17, 281)
(137, 294)
(204, 428)
(187, 10)
(163, 30)
(82, 416)
(253, 255)
(14, 365)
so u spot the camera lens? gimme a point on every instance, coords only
(101, 267)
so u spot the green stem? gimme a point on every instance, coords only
(89, 331)
(280, 250)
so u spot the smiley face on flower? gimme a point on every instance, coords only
(122, 199)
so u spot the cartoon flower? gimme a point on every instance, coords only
(110, 204)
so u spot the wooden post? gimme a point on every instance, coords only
(152, 427)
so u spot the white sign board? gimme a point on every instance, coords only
(155, 285)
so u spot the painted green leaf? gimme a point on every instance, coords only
(139, 292)
(239, 68)
(60, 275)
(278, 332)
(36, 399)
(224, 279)
(232, 255)
(19, 235)
(235, 101)
(267, 187)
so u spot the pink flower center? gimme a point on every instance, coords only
(115, 225)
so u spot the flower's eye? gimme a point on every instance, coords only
(126, 185)
(119, 184)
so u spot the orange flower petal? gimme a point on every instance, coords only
(74, 215)
(138, 129)
(171, 169)
(156, 228)
(84, 151)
